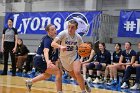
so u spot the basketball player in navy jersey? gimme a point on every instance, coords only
(69, 58)
(127, 58)
(45, 59)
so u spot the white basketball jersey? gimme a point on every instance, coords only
(71, 43)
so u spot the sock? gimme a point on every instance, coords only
(115, 79)
(84, 76)
(105, 78)
(111, 79)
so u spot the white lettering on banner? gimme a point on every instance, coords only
(15, 20)
(35, 23)
(138, 26)
(37, 20)
(25, 24)
(57, 23)
(131, 26)
(44, 19)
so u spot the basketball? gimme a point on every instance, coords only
(84, 50)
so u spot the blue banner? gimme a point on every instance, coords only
(129, 25)
(35, 22)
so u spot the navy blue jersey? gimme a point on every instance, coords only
(104, 57)
(128, 56)
(116, 56)
(46, 43)
(138, 57)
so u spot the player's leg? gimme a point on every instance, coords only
(40, 77)
(58, 74)
(79, 77)
(84, 67)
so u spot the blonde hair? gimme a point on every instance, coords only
(48, 27)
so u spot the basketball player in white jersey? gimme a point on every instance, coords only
(68, 41)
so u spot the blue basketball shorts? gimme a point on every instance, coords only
(40, 64)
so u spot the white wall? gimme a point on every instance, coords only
(90, 4)
(49, 5)
(2, 9)
(133, 4)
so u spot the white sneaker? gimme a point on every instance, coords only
(87, 86)
(72, 79)
(28, 85)
(124, 85)
(89, 79)
(136, 86)
(96, 81)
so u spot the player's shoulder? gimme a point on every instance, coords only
(64, 32)
(78, 35)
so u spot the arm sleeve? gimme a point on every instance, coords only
(15, 30)
(4, 31)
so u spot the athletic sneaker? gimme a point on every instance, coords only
(136, 86)
(97, 80)
(124, 85)
(114, 82)
(87, 86)
(109, 82)
(89, 79)
(28, 85)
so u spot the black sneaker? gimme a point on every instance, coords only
(28, 85)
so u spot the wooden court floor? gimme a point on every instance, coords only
(16, 84)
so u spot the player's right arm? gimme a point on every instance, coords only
(58, 39)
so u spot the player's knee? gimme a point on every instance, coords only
(91, 66)
(99, 67)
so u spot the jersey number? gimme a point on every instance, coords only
(69, 48)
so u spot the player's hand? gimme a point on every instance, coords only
(121, 64)
(14, 50)
(135, 65)
(63, 48)
(49, 64)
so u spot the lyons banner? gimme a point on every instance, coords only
(129, 25)
(35, 22)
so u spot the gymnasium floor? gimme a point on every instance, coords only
(16, 84)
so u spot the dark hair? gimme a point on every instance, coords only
(118, 45)
(102, 43)
(129, 43)
(72, 21)
(21, 41)
(10, 19)
(48, 27)
(89, 43)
